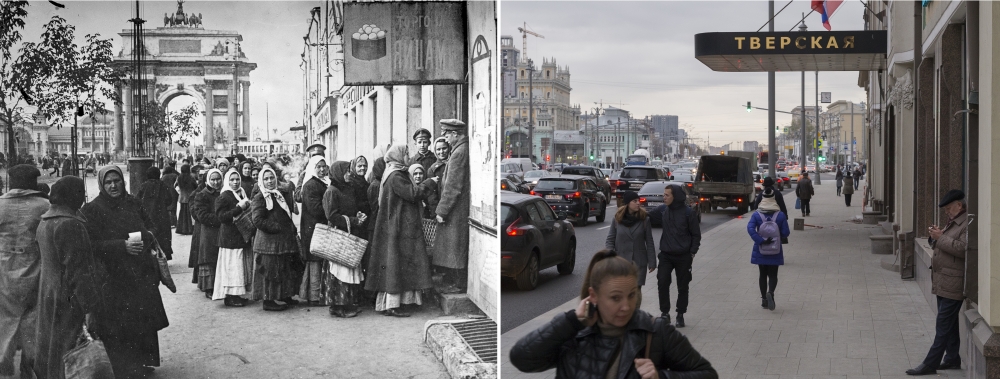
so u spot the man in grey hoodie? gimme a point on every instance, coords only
(679, 242)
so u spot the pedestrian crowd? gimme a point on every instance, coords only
(73, 269)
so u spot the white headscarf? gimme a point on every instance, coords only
(413, 169)
(269, 193)
(311, 170)
(238, 192)
(208, 177)
(395, 160)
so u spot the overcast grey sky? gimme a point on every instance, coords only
(641, 54)
(272, 37)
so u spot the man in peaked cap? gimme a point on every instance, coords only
(316, 149)
(451, 244)
(948, 284)
(424, 155)
(21, 211)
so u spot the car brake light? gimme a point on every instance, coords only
(690, 184)
(513, 230)
(739, 200)
(642, 199)
(575, 195)
(503, 186)
(533, 193)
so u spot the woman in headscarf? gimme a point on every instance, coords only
(316, 181)
(169, 177)
(67, 292)
(132, 312)
(208, 242)
(156, 198)
(418, 174)
(399, 267)
(255, 175)
(346, 206)
(375, 181)
(185, 187)
(246, 177)
(276, 251)
(197, 172)
(230, 273)
(222, 164)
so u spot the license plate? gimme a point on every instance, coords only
(554, 197)
(653, 203)
(636, 185)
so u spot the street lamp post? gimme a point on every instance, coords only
(531, 110)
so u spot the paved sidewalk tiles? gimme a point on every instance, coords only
(838, 315)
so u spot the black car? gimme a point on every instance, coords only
(632, 178)
(578, 196)
(594, 172)
(651, 196)
(515, 183)
(534, 238)
(508, 185)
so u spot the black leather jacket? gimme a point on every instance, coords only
(580, 352)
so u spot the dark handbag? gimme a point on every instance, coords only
(798, 203)
(163, 268)
(88, 360)
(244, 223)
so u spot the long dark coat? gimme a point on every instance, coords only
(275, 229)
(399, 259)
(451, 244)
(347, 199)
(169, 178)
(203, 208)
(67, 290)
(312, 214)
(157, 199)
(426, 161)
(133, 309)
(227, 209)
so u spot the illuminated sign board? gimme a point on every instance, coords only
(793, 51)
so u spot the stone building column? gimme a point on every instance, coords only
(926, 200)
(209, 113)
(231, 112)
(118, 122)
(125, 138)
(246, 109)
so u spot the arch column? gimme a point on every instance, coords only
(209, 112)
(246, 109)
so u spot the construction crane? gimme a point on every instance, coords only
(524, 41)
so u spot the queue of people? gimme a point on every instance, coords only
(92, 268)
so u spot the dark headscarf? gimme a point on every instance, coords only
(24, 176)
(68, 191)
(100, 182)
(338, 174)
(376, 170)
(185, 180)
(152, 173)
(169, 169)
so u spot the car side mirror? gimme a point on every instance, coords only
(561, 216)
(671, 177)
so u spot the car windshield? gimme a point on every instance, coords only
(637, 158)
(534, 174)
(655, 188)
(555, 184)
(578, 171)
(507, 213)
(638, 173)
(607, 172)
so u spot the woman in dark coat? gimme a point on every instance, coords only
(346, 206)
(399, 267)
(185, 186)
(169, 177)
(156, 199)
(230, 270)
(442, 150)
(631, 236)
(199, 173)
(276, 251)
(67, 293)
(132, 309)
(208, 241)
(246, 177)
(313, 288)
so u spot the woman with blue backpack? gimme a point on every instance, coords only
(767, 227)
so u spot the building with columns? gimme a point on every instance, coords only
(932, 127)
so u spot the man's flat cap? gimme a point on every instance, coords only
(951, 196)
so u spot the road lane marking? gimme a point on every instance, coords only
(604, 227)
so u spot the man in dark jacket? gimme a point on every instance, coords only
(804, 191)
(948, 283)
(451, 243)
(679, 242)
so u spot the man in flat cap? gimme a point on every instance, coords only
(948, 283)
(451, 244)
(424, 155)
(21, 211)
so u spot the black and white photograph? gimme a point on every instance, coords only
(249, 189)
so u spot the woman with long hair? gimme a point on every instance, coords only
(606, 336)
(631, 235)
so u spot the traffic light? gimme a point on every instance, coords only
(548, 157)
(591, 156)
(748, 107)
(821, 157)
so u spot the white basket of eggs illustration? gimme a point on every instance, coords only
(368, 43)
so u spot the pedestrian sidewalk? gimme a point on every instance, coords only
(838, 315)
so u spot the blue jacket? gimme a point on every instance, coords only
(757, 258)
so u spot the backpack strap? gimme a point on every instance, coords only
(649, 337)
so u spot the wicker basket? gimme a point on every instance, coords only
(338, 246)
(430, 231)
(244, 223)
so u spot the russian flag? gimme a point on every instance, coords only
(826, 9)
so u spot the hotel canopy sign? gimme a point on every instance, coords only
(863, 50)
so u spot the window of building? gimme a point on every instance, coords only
(547, 72)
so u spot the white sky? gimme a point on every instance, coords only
(641, 54)
(272, 37)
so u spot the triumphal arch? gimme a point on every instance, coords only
(184, 58)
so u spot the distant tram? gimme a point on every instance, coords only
(264, 148)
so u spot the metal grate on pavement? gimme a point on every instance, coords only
(481, 336)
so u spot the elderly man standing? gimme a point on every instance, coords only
(948, 283)
(451, 244)
(21, 211)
